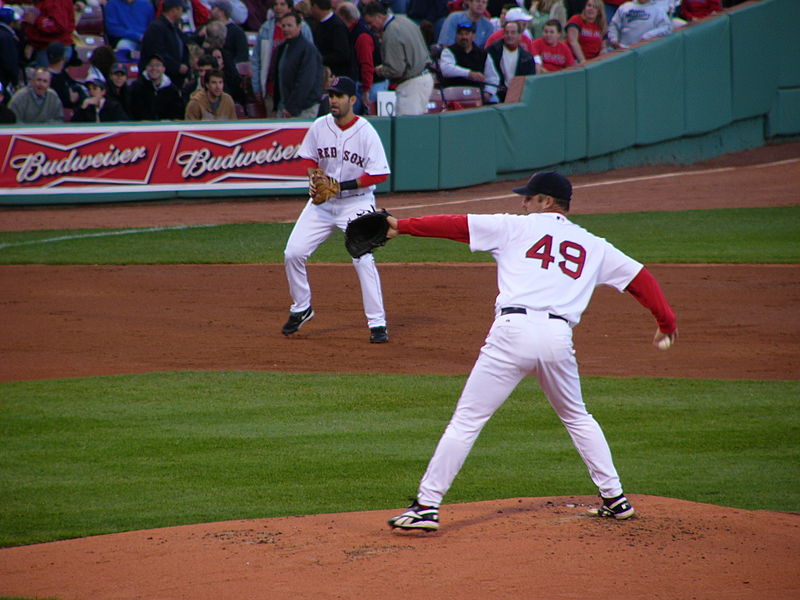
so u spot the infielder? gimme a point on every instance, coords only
(547, 269)
(347, 148)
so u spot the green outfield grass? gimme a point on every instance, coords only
(756, 235)
(98, 455)
(107, 454)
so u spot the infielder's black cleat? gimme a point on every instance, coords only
(296, 321)
(378, 335)
(423, 518)
(614, 508)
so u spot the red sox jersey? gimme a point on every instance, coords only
(345, 153)
(547, 263)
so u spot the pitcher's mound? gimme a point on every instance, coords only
(519, 548)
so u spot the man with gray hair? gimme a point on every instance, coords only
(37, 103)
(235, 39)
(405, 58)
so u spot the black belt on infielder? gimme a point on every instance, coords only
(517, 310)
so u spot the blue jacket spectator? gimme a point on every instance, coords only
(126, 21)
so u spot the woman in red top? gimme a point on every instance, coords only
(585, 31)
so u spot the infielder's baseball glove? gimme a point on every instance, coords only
(366, 232)
(321, 188)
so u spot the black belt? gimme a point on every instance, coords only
(516, 310)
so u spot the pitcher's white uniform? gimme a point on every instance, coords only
(549, 267)
(343, 154)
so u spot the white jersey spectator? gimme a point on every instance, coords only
(636, 21)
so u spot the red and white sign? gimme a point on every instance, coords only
(169, 157)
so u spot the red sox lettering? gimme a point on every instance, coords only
(347, 156)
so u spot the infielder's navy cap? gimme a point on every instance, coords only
(549, 183)
(343, 85)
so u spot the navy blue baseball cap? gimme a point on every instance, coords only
(343, 85)
(549, 183)
(469, 25)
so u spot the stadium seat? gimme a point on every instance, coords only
(85, 45)
(90, 21)
(457, 97)
(436, 103)
(256, 110)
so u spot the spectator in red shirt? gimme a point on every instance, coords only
(698, 9)
(586, 31)
(550, 54)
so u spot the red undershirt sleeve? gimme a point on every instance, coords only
(307, 163)
(646, 290)
(451, 227)
(366, 179)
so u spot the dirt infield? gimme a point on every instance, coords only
(735, 322)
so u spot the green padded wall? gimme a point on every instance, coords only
(784, 119)
(707, 77)
(755, 59)
(546, 106)
(383, 125)
(611, 88)
(513, 146)
(466, 140)
(576, 114)
(784, 33)
(659, 91)
(415, 155)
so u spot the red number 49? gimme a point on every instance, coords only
(574, 255)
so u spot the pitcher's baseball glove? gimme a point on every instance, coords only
(366, 232)
(321, 188)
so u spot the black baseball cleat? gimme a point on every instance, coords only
(296, 320)
(614, 508)
(378, 335)
(417, 517)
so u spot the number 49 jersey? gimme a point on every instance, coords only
(547, 263)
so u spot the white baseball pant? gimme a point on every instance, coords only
(519, 345)
(315, 225)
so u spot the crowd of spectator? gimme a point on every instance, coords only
(226, 59)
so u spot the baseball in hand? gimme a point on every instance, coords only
(663, 341)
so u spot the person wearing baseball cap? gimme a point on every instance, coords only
(345, 160)
(98, 108)
(513, 15)
(549, 183)
(165, 38)
(547, 271)
(342, 86)
(118, 87)
(467, 64)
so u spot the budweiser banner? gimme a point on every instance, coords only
(155, 158)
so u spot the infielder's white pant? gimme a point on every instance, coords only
(315, 225)
(518, 345)
(413, 95)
